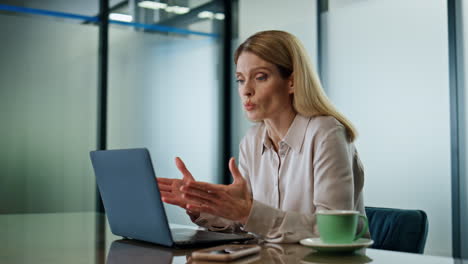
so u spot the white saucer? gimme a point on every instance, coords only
(317, 244)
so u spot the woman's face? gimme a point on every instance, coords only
(263, 92)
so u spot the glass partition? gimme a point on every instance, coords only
(82, 7)
(164, 95)
(47, 114)
(388, 72)
(462, 52)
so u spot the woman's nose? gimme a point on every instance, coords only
(247, 89)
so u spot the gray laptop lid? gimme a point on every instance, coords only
(130, 195)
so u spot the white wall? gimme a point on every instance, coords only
(387, 70)
(298, 17)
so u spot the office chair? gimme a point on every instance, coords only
(397, 229)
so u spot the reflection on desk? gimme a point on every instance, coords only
(132, 251)
(353, 258)
(83, 238)
(283, 253)
(126, 251)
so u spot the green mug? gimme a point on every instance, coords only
(340, 226)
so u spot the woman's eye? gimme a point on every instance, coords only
(240, 81)
(262, 77)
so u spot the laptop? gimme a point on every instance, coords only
(132, 201)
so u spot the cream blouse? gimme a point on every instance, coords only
(315, 168)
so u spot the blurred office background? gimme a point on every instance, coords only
(396, 68)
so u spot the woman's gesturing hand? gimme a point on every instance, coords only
(170, 188)
(232, 201)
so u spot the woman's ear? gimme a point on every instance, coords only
(291, 83)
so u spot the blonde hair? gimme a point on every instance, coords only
(286, 52)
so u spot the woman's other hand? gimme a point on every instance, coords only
(170, 188)
(232, 201)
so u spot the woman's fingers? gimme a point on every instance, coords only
(165, 194)
(189, 198)
(173, 201)
(191, 193)
(221, 200)
(169, 184)
(165, 180)
(206, 187)
(204, 209)
(163, 187)
(193, 207)
(221, 209)
(168, 195)
(225, 205)
(199, 207)
(194, 215)
(236, 175)
(183, 169)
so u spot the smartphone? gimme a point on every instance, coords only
(225, 252)
(252, 259)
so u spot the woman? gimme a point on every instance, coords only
(299, 158)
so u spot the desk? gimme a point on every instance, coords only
(85, 238)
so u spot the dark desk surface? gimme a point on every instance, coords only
(85, 238)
